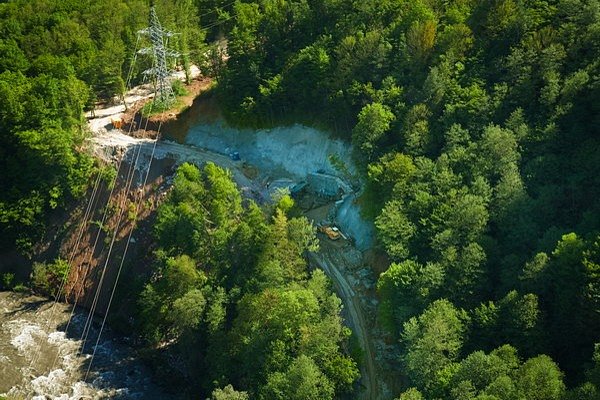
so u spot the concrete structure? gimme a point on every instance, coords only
(327, 185)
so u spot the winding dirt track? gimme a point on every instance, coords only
(105, 142)
(326, 261)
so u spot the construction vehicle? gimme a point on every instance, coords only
(332, 232)
(117, 123)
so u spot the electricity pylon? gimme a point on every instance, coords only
(159, 38)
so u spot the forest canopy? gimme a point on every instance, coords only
(238, 299)
(476, 127)
(58, 58)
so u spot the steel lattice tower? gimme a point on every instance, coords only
(159, 38)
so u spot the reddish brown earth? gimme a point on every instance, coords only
(90, 253)
(89, 261)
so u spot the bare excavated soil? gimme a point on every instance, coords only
(122, 219)
(265, 156)
(128, 215)
(139, 126)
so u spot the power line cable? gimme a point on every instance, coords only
(215, 9)
(92, 310)
(218, 22)
(124, 252)
(159, 52)
(129, 180)
(71, 257)
(113, 184)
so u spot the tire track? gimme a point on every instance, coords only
(325, 260)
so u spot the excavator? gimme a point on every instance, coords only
(117, 123)
(332, 232)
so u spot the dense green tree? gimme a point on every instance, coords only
(476, 125)
(58, 57)
(395, 230)
(498, 152)
(515, 319)
(265, 336)
(228, 393)
(310, 65)
(500, 375)
(416, 133)
(540, 378)
(239, 292)
(48, 277)
(42, 168)
(183, 223)
(373, 123)
(405, 289)
(359, 56)
(301, 381)
(568, 294)
(173, 303)
(282, 260)
(411, 394)
(478, 210)
(432, 341)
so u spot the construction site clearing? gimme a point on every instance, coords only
(321, 196)
(317, 196)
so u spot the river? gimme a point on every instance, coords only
(38, 360)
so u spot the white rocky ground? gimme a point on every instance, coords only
(101, 117)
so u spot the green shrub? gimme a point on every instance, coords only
(20, 288)
(109, 173)
(178, 88)
(154, 107)
(8, 280)
(47, 278)
(131, 211)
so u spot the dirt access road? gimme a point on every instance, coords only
(327, 259)
(109, 144)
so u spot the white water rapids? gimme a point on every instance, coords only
(32, 337)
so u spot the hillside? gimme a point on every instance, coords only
(475, 136)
